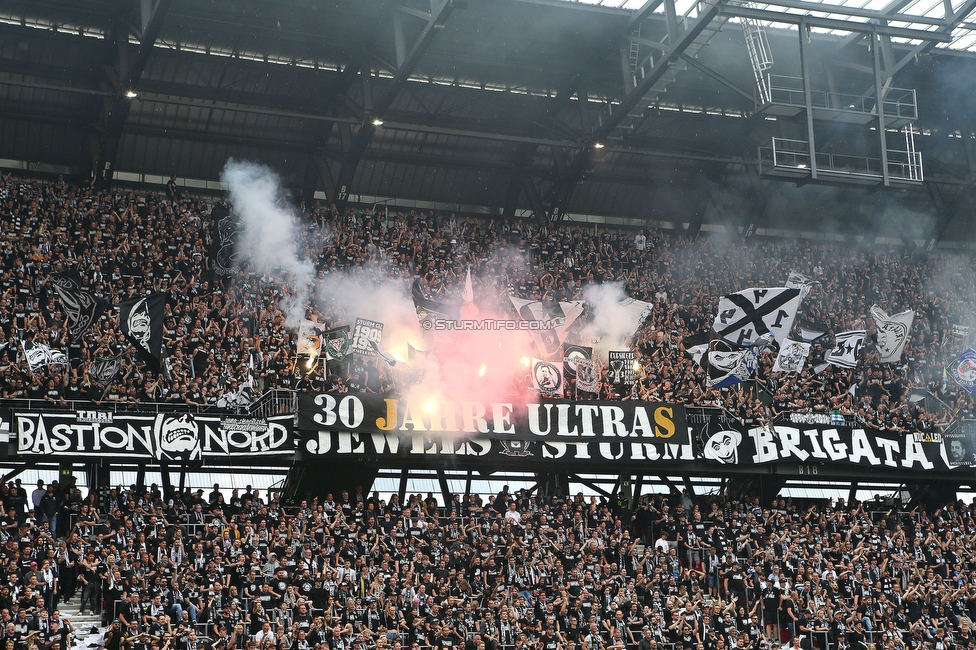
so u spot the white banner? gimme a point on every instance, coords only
(893, 333)
(848, 349)
(792, 356)
(743, 317)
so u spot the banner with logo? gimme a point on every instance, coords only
(364, 334)
(963, 370)
(622, 367)
(141, 321)
(171, 437)
(572, 355)
(547, 377)
(815, 441)
(568, 421)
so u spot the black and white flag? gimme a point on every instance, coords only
(727, 363)
(792, 356)
(893, 332)
(389, 358)
(364, 334)
(845, 354)
(429, 311)
(587, 376)
(81, 307)
(39, 355)
(696, 345)
(550, 319)
(808, 331)
(547, 376)
(801, 282)
(745, 316)
(226, 232)
(142, 325)
(623, 367)
(104, 369)
(572, 355)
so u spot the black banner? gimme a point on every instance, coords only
(563, 420)
(223, 238)
(817, 441)
(142, 324)
(172, 437)
(418, 447)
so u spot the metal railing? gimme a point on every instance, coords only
(272, 402)
(785, 153)
(898, 103)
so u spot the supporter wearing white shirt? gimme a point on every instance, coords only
(512, 514)
(265, 633)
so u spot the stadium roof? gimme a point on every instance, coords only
(918, 14)
(619, 111)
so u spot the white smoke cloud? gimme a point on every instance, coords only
(466, 365)
(269, 230)
(368, 292)
(613, 317)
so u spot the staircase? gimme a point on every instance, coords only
(757, 44)
(83, 625)
(641, 70)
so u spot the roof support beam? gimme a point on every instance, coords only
(838, 9)
(563, 190)
(839, 24)
(152, 15)
(945, 31)
(708, 72)
(440, 11)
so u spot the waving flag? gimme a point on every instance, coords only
(547, 376)
(104, 369)
(337, 342)
(801, 282)
(893, 333)
(572, 355)
(745, 316)
(81, 308)
(963, 370)
(309, 341)
(728, 363)
(142, 324)
(847, 350)
(39, 355)
(429, 310)
(587, 376)
(792, 356)
(552, 320)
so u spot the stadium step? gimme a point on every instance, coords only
(88, 628)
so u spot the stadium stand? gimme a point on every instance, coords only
(504, 572)
(227, 340)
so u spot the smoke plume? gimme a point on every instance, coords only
(268, 241)
(613, 317)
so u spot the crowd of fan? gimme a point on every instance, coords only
(509, 572)
(227, 339)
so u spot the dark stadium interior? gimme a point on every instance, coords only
(267, 242)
